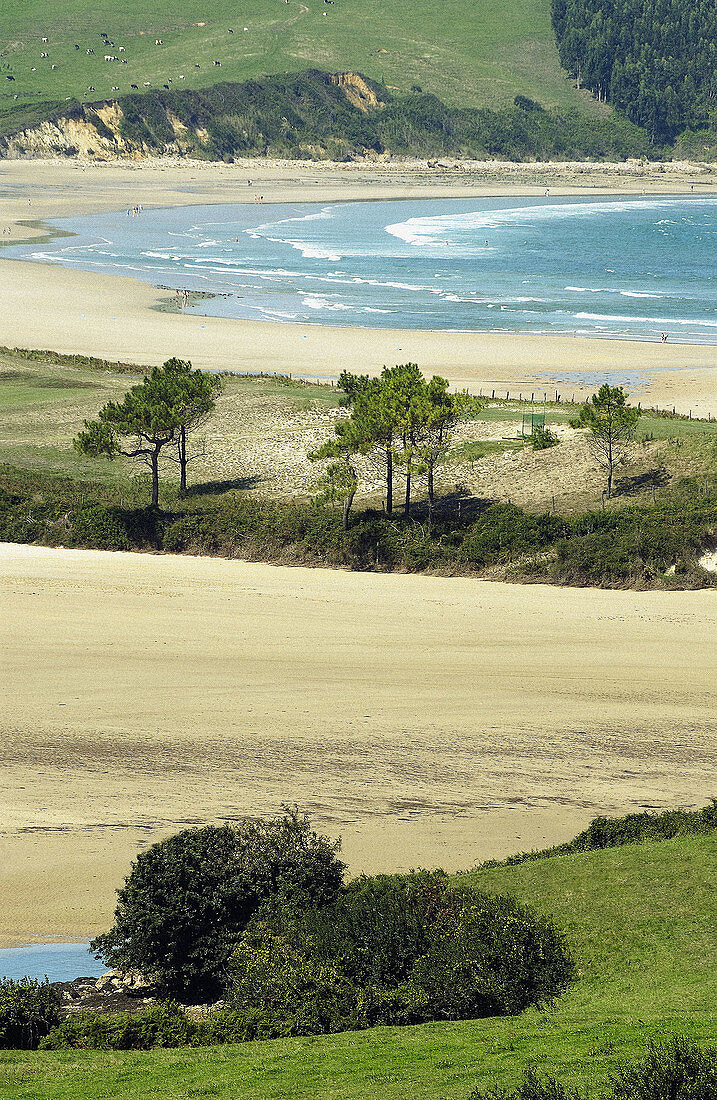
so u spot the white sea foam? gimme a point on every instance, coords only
(436, 228)
(314, 301)
(663, 322)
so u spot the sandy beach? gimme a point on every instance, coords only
(429, 721)
(111, 317)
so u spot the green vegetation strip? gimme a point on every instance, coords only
(640, 919)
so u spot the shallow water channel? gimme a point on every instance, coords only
(60, 962)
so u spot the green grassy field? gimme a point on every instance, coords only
(470, 52)
(640, 919)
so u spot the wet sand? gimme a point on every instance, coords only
(429, 721)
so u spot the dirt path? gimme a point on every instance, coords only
(430, 721)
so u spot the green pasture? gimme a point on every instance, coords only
(470, 52)
(641, 922)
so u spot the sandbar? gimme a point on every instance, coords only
(429, 721)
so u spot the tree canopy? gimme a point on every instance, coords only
(187, 897)
(611, 423)
(398, 420)
(159, 412)
(655, 59)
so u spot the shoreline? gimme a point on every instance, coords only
(115, 317)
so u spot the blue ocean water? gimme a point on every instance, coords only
(60, 962)
(614, 266)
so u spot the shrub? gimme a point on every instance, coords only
(532, 1087)
(610, 832)
(186, 897)
(273, 975)
(397, 950)
(542, 438)
(98, 527)
(673, 1070)
(490, 956)
(162, 1025)
(28, 1011)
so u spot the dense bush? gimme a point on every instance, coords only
(163, 1025)
(632, 546)
(611, 832)
(186, 897)
(28, 1011)
(98, 527)
(674, 1070)
(398, 950)
(307, 116)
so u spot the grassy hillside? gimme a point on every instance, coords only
(641, 922)
(471, 52)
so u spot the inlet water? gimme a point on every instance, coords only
(60, 962)
(614, 266)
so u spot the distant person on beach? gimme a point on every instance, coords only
(663, 337)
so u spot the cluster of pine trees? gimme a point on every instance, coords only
(654, 59)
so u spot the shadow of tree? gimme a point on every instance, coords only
(642, 482)
(214, 488)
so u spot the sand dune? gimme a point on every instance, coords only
(428, 720)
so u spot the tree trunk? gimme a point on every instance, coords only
(609, 483)
(407, 504)
(431, 497)
(348, 501)
(389, 481)
(182, 446)
(154, 464)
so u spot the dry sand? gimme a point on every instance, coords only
(107, 316)
(430, 721)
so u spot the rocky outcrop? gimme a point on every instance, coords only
(113, 992)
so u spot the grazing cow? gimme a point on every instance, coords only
(216, 62)
(196, 66)
(10, 77)
(44, 40)
(115, 89)
(122, 49)
(91, 88)
(44, 55)
(181, 78)
(166, 86)
(54, 66)
(133, 86)
(77, 45)
(231, 31)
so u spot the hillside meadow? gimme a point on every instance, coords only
(471, 54)
(640, 920)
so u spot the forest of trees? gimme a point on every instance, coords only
(653, 59)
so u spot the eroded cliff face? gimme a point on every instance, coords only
(101, 130)
(356, 90)
(93, 130)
